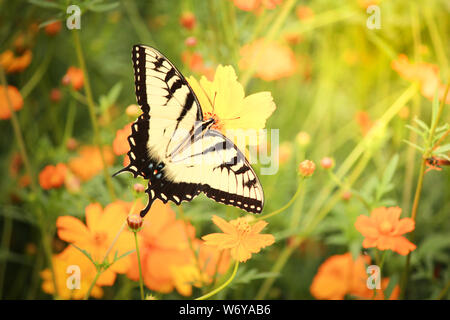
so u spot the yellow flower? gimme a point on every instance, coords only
(224, 99)
(242, 238)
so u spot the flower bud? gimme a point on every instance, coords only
(188, 20)
(134, 222)
(190, 42)
(303, 138)
(346, 195)
(55, 95)
(306, 168)
(327, 163)
(139, 188)
(133, 110)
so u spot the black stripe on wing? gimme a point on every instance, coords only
(144, 58)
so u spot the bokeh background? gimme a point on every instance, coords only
(343, 89)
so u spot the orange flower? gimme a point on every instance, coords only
(256, 5)
(89, 163)
(187, 20)
(242, 238)
(364, 122)
(426, 74)
(99, 232)
(75, 77)
(15, 98)
(384, 230)
(340, 275)
(120, 143)
(12, 63)
(196, 64)
(53, 28)
(163, 244)
(304, 12)
(67, 265)
(52, 176)
(258, 53)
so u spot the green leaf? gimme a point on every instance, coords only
(47, 4)
(414, 145)
(392, 283)
(103, 7)
(87, 254)
(435, 108)
(416, 130)
(442, 149)
(422, 124)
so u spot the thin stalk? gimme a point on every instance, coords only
(287, 205)
(34, 187)
(90, 101)
(6, 241)
(223, 286)
(418, 192)
(141, 278)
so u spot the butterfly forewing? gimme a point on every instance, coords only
(172, 147)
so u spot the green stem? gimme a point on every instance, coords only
(6, 241)
(141, 278)
(418, 193)
(40, 216)
(223, 286)
(91, 107)
(287, 205)
(99, 272)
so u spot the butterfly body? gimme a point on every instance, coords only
(176, 149)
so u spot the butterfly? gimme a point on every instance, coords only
(176, 149)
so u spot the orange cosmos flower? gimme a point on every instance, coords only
(285, 152)
(52, 176)
(256, 5)
(188, 20)
(384, 230)
(242, 238)
(53, 28)
(426, 74)
(12, 64)
(304, 12)
(120, 143)
(163, 244)
(9, 96)
(99, 232)
(258, 53)
(340, 275)
(89, 163)
(67, 265)
(75, 77)
(195, 62)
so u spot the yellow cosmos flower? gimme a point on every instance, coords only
(224, 99)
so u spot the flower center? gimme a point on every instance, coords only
(243, 227)
(218, 125)
(100, 237)
(385, 227)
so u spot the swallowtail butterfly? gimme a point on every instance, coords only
(176, 149)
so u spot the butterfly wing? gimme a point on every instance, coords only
(172, 148)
